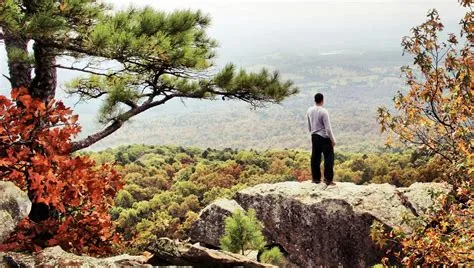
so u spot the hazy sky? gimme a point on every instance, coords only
(249, 26)
(246, 28)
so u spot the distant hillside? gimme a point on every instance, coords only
(354, 85)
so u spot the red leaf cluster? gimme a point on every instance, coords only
(302, 174)
(35, 142)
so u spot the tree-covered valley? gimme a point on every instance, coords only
(167, 186)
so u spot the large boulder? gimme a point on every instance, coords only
(209, 229)
(14, 206)
(57, 257)
(320, 225)
(171, 252)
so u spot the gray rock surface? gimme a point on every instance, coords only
(420, 195)
(210, 234)
(56, 257)
(320, 225)
(14, 206)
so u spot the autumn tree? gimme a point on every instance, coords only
(435, 112)
(71, 196)
(133, 60)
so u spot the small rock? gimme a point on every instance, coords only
(57, 257)
(14, 206)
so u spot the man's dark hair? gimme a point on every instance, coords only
(318, 98)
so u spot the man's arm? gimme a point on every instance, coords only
(327, 126)
(309, 123)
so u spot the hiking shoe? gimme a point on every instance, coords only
(316, 181)
(329, 183)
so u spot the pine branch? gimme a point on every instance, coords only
(88, 94)
(119, 120)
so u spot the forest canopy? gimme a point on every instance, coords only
(167, 186)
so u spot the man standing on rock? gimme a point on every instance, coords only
(323, 141)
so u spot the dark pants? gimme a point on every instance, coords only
(324, 146)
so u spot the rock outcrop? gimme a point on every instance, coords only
(320, 225)
(14, 206)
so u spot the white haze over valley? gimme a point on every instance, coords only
(249, 32)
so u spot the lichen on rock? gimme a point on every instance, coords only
(14, 206)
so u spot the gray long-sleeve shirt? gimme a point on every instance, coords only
(318, 122)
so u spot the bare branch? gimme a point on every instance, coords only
(88, 93)
(130, 103)
(85, 70)
(7, 77)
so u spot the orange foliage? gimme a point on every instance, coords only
(442, 238)
(302, 174)
(232, 170)
(35, 142)
(447, 240)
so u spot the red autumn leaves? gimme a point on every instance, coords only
(35, 142)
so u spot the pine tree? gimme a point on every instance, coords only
(134, 60)
(243, 231)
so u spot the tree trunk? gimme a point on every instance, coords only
(43, 85)
(18, 65)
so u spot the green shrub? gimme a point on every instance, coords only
(272, 256)
(243, 231)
